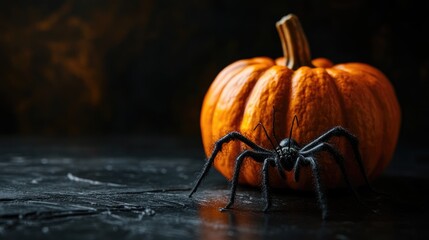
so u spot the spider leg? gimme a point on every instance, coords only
(234, 181)
(217, 148)
(354, 142)
(297, 168)
(265, 183)
(203, 173)
(318, 186)
(339, 159)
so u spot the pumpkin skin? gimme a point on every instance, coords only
(355, 96)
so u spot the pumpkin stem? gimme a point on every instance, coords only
(295, 46)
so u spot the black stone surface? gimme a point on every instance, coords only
(131, 188)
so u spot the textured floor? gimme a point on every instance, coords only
(124, 188)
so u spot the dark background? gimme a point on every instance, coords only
(79, 68)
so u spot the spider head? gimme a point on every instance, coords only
(287, 144)
(288, 151)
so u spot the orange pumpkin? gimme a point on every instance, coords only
(322, 95)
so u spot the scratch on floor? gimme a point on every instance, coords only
(72, 177)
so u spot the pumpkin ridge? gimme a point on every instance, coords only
(337, 118)
(233, 69)
(249, 166)
(262, 96)
(379, 96)
(239, 86)
(339, 76)
(344, 118)
(380, 88)
(208, 120)
(260, 74)
(282, 132)
(275, 73)
(362, 76)
(340, 99)
(250, 92)
(381, 159)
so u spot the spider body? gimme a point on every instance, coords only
(287, 152)
(288, 156)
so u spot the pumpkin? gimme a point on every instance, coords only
(322, 95)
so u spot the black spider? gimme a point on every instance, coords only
(287, 156)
